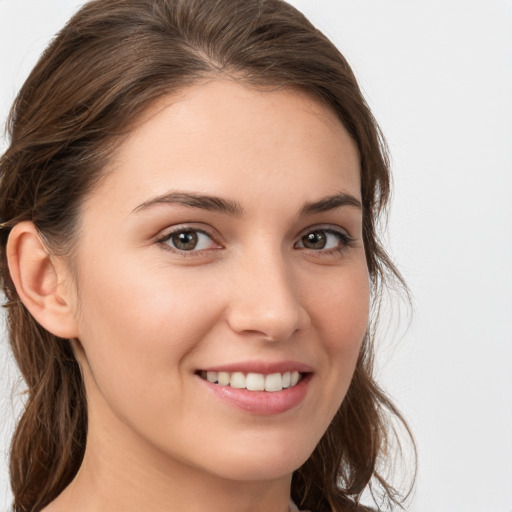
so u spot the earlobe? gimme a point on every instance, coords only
(39, 282)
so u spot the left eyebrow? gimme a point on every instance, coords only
(330, 203)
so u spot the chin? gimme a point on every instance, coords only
(252, 471)
(263, 460)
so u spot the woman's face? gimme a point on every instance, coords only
(225, 240)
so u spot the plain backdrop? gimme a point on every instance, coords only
(438, 76)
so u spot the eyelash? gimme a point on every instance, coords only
(345, 240)
(163, 241)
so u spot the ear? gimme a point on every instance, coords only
(41, 281)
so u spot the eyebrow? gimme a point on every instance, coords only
(192, 200)
(230, 207)
(330, 203)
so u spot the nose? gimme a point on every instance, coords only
(265, 300)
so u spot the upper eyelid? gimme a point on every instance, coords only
(332, 228)
(169, 231)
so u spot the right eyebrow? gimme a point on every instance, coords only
(193, 200)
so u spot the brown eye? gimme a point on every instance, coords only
(324, 240)
(191, 240)
(314, 240)
(184, 240)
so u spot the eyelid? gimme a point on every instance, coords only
(345, 238)
(168, 233)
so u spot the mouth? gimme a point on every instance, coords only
(258, 387)
(271, 382)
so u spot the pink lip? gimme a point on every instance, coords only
(261, 367)
(262, 403)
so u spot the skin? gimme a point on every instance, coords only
(146, 316)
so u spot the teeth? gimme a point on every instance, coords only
(237, 380)
(223, 378)
(254, 381)
(274, 382)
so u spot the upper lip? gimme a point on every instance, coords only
(264, 367)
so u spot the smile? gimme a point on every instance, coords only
(253, 381)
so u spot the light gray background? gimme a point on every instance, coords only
(438, 75)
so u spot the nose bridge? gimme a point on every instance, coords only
(266, 299)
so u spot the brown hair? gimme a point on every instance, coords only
(111, 61)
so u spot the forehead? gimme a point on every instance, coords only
(224, 138)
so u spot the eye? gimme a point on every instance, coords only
(324, 240)
(189, 239)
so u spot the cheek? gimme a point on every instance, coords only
(341, 319)
(340, 313)
(140, 298)
(139, 324)
(137, 333)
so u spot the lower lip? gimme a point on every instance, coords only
(263, 403)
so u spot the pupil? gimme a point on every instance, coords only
(186, 240)
(315, 240)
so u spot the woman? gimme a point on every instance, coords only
(189, 203)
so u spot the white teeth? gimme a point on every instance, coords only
(274, 382)
(211, 376)
(254, 381)
(223, 378)
(237, 380)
